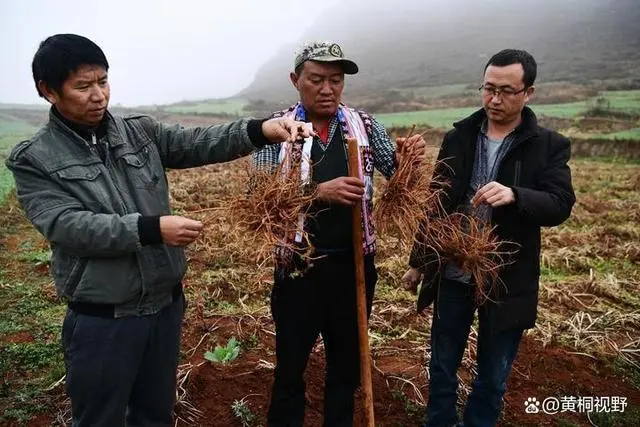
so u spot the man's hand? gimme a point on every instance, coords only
(415, 147)
(494, 194)
(178, 230)
(344, 190)
(411, 279)
(281, 129)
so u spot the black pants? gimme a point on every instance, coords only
(322, 301)
(122, 372)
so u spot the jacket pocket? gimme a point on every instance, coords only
(139, 169)
(67, 271)
(109, 281)
(79, 173)
(161, 267)
(85, 183)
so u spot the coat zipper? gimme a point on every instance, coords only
(108, 163)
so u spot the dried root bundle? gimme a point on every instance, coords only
(407, 199)
(473, 246)
(270, 214)
(409, 207)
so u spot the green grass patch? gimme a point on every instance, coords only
(27, 403)
(628, 101)
(626, 370)
(6, 180)
(31, 356)
(36, 257)
(443, 118)
(14, 127)
(411, 408)
(11, 133)
(633, 134)
(553, 274)
(566, 110)
(432, 92)
(630, 417)
(625, 134)
(232, 106)
(613, 160)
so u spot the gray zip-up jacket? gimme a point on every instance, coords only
(89, 209)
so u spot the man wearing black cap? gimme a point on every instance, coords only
(322, 299)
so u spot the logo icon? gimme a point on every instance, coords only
(532, 405)
(335, 50)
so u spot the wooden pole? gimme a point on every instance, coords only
(361, 293)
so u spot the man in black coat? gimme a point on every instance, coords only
(505, 169)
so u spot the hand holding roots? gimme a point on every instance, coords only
(407, 199)
(272, 212)
(409, 207)
(473, 246)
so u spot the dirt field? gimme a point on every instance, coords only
(586, 343)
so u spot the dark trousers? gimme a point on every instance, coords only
(496, 351)
(322, 301)
(122, 372)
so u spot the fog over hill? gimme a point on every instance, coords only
(415, 43)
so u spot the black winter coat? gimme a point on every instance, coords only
(536, 169)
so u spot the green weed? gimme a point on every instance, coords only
(224, 354)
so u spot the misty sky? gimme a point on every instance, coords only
(158, 51)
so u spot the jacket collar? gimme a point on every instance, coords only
(107, 127)
(83, 131)
(473, 124)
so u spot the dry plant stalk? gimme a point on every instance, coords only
(410, 207)
(271, 212)
(473, 246)
(408, 199)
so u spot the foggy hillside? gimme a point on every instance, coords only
(411, 43)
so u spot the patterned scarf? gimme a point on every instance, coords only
(351, 126)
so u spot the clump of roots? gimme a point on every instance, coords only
(473, 246)
(409, 198)
(409, 207)
(273, 213)
(406, 200)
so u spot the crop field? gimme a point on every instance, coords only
(627, 101)
(233, 107)
(11, 131)
(586, 342)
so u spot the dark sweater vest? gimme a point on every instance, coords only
(330, 225)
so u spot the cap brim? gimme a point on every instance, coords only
(348, 66)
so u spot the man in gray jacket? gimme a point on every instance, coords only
(94, 185)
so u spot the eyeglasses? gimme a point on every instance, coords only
(498, 91)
